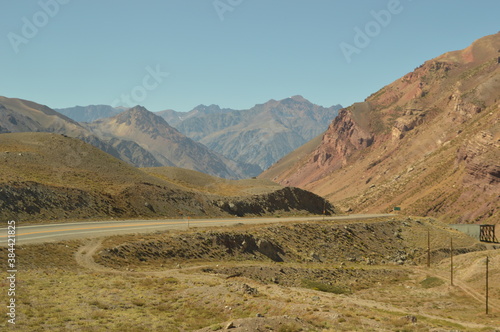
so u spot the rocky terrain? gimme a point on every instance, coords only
(50, 176)
(142, 139)
(428, 143)
(390, 241)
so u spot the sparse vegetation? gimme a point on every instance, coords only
(207, 294)
(431, 282)
(322, 287)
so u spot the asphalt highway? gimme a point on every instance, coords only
(29, 234)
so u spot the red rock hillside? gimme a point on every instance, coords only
(428, 143)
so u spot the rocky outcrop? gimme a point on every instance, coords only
(410, 119)
(342, 138)
(476, 154)
(460, 109)
(383, 242)
(285, 200)
(28, 201)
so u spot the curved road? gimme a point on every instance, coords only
(56, 232)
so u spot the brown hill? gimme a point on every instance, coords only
(428, 143)
(18, 115)
(47, 176)
(200, 182)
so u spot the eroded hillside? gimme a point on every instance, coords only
(428, 143)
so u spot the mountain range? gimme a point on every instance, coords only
(260, 135)
(254, 138)
(136, 136)
(240, 143)
(167, 144)
(428, 143)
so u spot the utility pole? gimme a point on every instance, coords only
(451, 258)
(487, 290)
(428, 248)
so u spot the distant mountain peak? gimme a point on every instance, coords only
(299, 98)
(260, 135)
(165, 143)
(211, 109)
(138, 109)
(144, 118)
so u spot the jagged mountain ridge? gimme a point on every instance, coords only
(428, 142)
(167, 144)
(25, 116)
(260, 135)
(174, 118)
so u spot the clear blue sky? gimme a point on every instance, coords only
(95, 51)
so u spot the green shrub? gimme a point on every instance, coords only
(322, 287)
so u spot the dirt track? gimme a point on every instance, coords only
(295, 297)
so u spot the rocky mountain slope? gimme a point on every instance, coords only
(17, 115)
(47, 176)
(428, 143)
(174, 118)
(90, 113)
(167, 144)
(254, 138)
(260, 135)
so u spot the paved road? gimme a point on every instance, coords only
(57, 232)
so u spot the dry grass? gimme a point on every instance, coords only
(200, 182)
(57, 294)
(65, 162)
